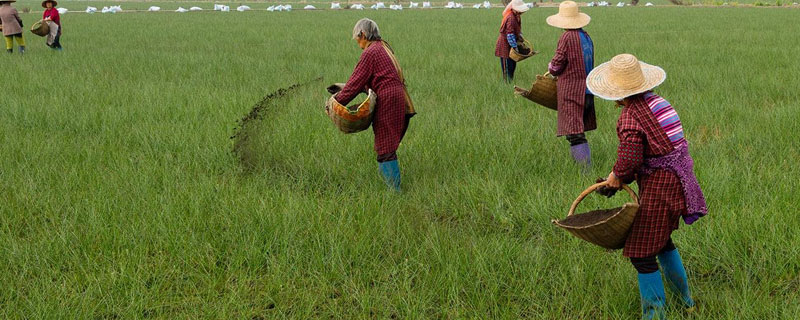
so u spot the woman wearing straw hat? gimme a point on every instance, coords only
(654, 152)
(510, 35)
(574, 59)
(12, 26)
(377, 69)
(53, 20)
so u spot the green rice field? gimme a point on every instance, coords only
(121, 196)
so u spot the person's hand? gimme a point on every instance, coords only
(47, 19)
(603, 190)
(613, 182)
(335, 88)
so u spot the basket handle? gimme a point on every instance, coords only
(592, 189)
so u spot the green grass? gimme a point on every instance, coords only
(121, 197)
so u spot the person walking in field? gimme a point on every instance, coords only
(653, 151)
(12, 26)
(510, 36)
(377, 69)
(53, 20)
(573, 60)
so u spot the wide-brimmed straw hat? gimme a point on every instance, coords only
(624, 76)
(569, 17)
(55, 3)
(518, 5)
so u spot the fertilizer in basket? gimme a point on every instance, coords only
(589, 218)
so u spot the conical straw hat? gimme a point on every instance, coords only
(623, 77)
(568, 17)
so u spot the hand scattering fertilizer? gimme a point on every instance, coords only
(606, 228)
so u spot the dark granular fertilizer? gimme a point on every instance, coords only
(257, 113)
(588, 218)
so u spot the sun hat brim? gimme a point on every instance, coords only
(598, 82)
(562, 22)
(44, 3)
(521, 8)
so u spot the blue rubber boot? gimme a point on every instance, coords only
(391, 174)
(582, 155)
(651, 292)
(676, 277)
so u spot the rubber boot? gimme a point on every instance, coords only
(582, 155)
(21, 49)
(10, 50)
(676, 277)
(391, 174)
(651, 292)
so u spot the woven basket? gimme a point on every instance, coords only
(40, 28)
(610, 233)
(526, 47)
(354, 118)
(544, 91)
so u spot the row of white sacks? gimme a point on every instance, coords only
(288, 7)
(619, 4)
(334, 6)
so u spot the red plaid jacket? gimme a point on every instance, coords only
(376, 71)
(567, 64)
(513, 24)
(661, 199)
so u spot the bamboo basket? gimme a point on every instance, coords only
(40, 28)
(517, 56)
(544, 91)
(354, 118)
(610, 233)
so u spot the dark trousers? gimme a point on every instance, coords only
(508, 66)
(57, 41)
(649, 264)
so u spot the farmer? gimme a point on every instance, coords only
(573, 60)
(510, 35)
(53, 20)
(377, 69)
(12, 26)
(653, 151)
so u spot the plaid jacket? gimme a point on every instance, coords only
(573, 115)
(661, 199)
(376, 71)
(511, 25)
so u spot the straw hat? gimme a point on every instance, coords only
(623, 77)
(55, 3)
(518, 6)
(9, 1)
(568, 17)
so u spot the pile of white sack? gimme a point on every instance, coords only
(335, 6)
(221, 7)
(112, 9)
(396, 6)
(357, 6)
(286, 7)
(154, 9)
(413, 5)
(426, 5)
